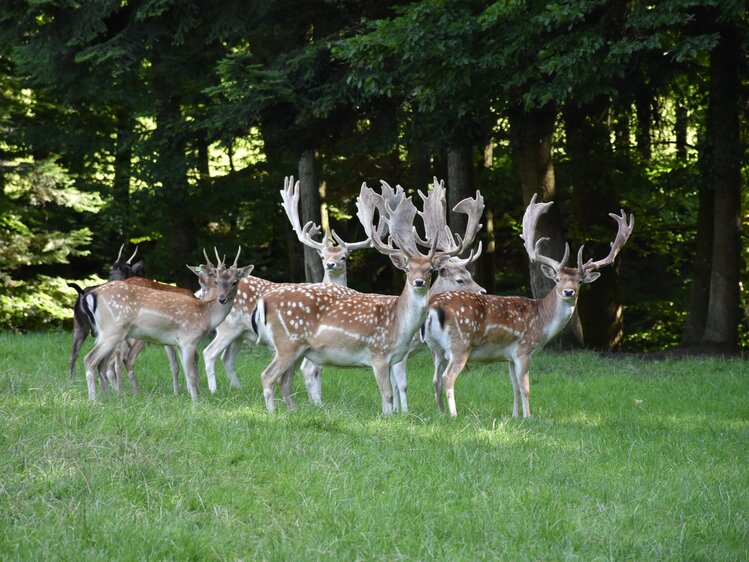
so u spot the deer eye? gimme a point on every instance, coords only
(460, 282)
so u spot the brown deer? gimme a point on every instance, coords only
(331, 325)
(461, 326)
(238, 325)
(128, 351)
(119, 311)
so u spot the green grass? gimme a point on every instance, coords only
(624, 459)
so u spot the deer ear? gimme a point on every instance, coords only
(194, 268)
(440, 261)
(591, 276)
(549, 272)
(400, 261)
(245, 271)
(137, 268)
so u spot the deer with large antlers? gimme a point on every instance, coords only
(454, 276)
(238, 325)
(333, 326)
(462, 326)
(118, 311)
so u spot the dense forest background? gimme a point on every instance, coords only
(170, 125)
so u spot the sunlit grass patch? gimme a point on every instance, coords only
(623, 459)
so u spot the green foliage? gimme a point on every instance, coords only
(40, 303)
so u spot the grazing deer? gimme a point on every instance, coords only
(128, 351)
(238, 325)
(333, 326)
(121, 269)
(119, 311)
(462, 326)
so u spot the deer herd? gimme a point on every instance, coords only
(311, 325)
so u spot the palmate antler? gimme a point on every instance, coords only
(398, 213)
(435, 225)
(530, 221)
(306, 234)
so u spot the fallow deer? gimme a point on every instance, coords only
(128, 351)
(452, 277)
(119, 311)
(238, 326)
(461, 326)
(333, 326)
(121, 269)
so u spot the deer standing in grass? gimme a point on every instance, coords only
(119, 311)
(452, 277)
(121, 269)
(238, 325)
(331, 326)
(128, 351)
(486, 328)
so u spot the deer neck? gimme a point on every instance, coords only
(556, 312)
(217, 312)
(410, 312)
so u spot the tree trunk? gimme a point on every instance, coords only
(531, 141)
(309, 202)
(593, 198)
(644, 113)
(459, 184)
(171, 171)
(699, 293)
(723, 172)
(121, 184)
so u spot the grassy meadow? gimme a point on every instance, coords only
(624, 459)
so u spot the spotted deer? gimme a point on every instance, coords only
(333, 326)
(121, 269)
(128, 351)
(238, 326)
(119, 311)
(454, 276)
(461, 326)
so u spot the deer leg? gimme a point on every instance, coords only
(79, 336)
(94, 361)
(399, 385)
(312, 381)
(226, 345)
(523, 381)
(171, 354)
(273, 372)
(439, 369)
(286, 380)
(229, 356)
(454, 368)
(136, 347)
(189, 357)
(382, 376)
(515, 389)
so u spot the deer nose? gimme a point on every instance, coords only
(222, 300)
(482, 292)
(330, 265)
(569, 292)
(419, 283)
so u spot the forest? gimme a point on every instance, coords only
(170, 126)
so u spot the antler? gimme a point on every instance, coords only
(131, 257)
(290, 195)
(119, 255)
(622, 234)
(435, 225)
(399, 220)
(530, 219)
